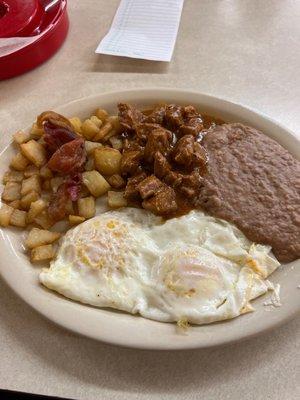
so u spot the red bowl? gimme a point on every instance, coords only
(49, 28)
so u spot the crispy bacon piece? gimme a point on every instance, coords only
(55, 136)
(57, 206)
(73, 186)
(69, 158)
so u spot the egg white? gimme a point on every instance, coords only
(194, 268)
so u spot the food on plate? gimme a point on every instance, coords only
(172, 177)
(254, 183)
(193, 268)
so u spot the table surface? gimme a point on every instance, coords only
(243, 50)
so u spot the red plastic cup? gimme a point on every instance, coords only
(28, 18)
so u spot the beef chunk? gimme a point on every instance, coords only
(143, 130)
(131, 191)
(191, 184)
(173, 179)
(157, 116)
(189, 153)
(161, 165)
(149, 186)
(163, 202)
(174, 116)
(158, 140)
(193, 123)
(130, 161)
(129, 116)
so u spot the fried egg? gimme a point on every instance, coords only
(194, 268)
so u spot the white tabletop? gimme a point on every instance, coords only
(243, 50)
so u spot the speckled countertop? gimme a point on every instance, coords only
(243, 50)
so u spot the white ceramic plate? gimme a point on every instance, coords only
(134, 331)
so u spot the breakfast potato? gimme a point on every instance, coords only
(38, 237)
(104, 133)
(31, 184)
(36, 207)
(36, 132)
(18, 218)
(34, 152)
(86, 207)
(12, 191)
(115, 122)
(13, 176)
(46, 172)
(76, 124)
(31, 170)
(76, 219)
(56, 182)
(46, 185)
(116, 142)
(101, 114)
(43, 220)
(108, 160)
(42, 253)
(116, 199)
(15, 204)
(116, 181)
(90, 163)
(91, 146)
(96, 121)
(95, 182)
(21, 137)
(89, 129)
(5, 214)
(19, 162)
(28, 199)
(69, 207)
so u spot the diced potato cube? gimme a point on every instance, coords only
(84, 192)
(35, 152)
(43, 220)
(21, 137)
(90, 163)
(116, 199)
(38, 237)
(15, 204)
(31, 170)
(36, 208)
(101, 114)
(116, 142)
(5, 214)
(76, 124)
(19, 162)
(42, 253)
(114, 120)
(96, 121)
(116, 181)
(36, 132)
(91, 146)
(108, 160)
(86, 207)
(13, 176)
(55, 183)
(76, 219)
(28, 199)
(12, 191)
(95, 182)
(104, 133)
(18, 218)
(31, 184)
(69, 207)
(89, 129)
(46, 172)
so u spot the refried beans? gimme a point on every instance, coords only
(253, 182)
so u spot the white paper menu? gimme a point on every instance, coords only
(144, 29)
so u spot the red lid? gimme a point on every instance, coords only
(44, 22)
(19, 17)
